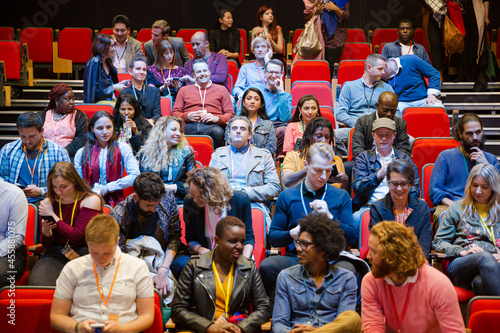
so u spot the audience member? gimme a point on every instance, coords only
(217, 62)
(293, 169)
(452, 166)
(359, 97)
(269, 29)
(278, 101)
(370, 168)
(13, 220)
(405, 43)
(399, 206)
(253, 107)
(312, 195)
(387, 106)
(229, 284)
(248, 168)
(100, 79)
(469, 235)
(69, 206)
(403, 293)
(130, 125)
(253, 73)
(406, 75)
(168, 154)
(151, 211)
(62, 123)
(211, 199)
(27, 162)
(77, 300)
(330, 289)
(433, 13)
(307, 109)
(209, 113)
(160, 31)
(147, 96)
(225, 39)
(167, 82)
(103, 160)
(126, 47)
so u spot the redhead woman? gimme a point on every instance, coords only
(268, 28)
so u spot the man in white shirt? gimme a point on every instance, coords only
(126, 47)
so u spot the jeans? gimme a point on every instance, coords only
(341, 140)
(50, 265)
(213, 130)
(463, 270)
(13, 269)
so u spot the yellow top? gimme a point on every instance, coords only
(223, 292)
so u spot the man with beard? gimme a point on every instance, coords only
(403, 293)
(314, 280)
(452, 166)
(405, 44)
(151, 211)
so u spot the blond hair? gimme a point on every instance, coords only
(492, 177)
(102, 229)
(214, 187)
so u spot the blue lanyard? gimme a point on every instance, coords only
(143, 91)
(466, 165)
(313, 311)
(302, 196)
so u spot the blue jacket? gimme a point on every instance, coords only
(365, 177)
(419, 219)
(393, 50)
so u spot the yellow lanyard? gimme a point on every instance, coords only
(226, 293)
(489, 231)
(32, 172)
(72, 214)
(112, 284)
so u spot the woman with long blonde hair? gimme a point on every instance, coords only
(168, 154)
(470, 233)
(65, 212)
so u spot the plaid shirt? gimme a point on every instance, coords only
(12, 157)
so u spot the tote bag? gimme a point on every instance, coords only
(308, 44)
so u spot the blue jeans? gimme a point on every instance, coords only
(212, 130)
(463, 270)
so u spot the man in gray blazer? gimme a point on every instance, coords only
(126, 47)
(160, 31)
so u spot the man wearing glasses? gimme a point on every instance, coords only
(370, 169)
(312, 196)
(316, 295)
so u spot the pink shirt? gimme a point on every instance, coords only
(60, 132)
(293, 132)
(432, 304)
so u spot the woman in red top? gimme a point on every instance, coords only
(69, 206)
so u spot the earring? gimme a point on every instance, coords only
(300, 116)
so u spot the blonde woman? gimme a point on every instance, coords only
(168, 154)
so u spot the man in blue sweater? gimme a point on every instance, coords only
(452, 166)
(315, 196)
(407, 75)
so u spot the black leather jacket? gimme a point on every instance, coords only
(193, 306)
(97, 85)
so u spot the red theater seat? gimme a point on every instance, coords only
(39, 42)
(75, 44)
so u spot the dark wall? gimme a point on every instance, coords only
(97, 14)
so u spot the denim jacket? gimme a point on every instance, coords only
(295, 288)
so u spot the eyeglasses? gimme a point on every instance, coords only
(303, 244)
(274, 73)
(396, 184)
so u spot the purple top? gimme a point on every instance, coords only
(160, 77)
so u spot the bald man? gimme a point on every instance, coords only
(387, 106)
(217, 62)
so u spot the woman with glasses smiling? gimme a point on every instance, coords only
(399, 206)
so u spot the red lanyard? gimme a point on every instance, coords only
(32, 172)
(402, 219)
(112, 284)
(409, 50)
(242, 163)
(404, 308)
(258, 70)
(203, 98)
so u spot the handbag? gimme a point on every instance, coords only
(308, 44)
(452, 37)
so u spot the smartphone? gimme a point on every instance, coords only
(335, 171)
(176, 78)
(22, 187)
(94, 326)
(49, 218)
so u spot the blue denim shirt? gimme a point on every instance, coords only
(295, 287)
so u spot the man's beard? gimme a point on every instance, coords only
(142, 212)
(380, 270)
(467, 145)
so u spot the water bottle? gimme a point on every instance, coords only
(127, 130)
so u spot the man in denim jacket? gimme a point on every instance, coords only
(316, 295)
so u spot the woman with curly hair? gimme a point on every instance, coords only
(62, 123)
(168, 154)
(469, 233)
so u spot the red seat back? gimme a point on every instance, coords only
(364, 234)
(166, 106)
(295, 38)
(157, 326)
(307, 70)
(350, 155)
(31, 226)
(259, 231)
(356, 36)
(10, 54)
(350, 70)
(144, 35)
(319, 89)
(186, 34)
(233, 73)
(482, 303)
(419, 37)
(203, 147)
(75, 44)
(183, 225)
(6, 33)
(425, 180)
(327, 112)
(39, 42)
(383, 35)
(418, 120)
(426, 150)
(355, 51)
(189, 49)
(243, 44)
(107, 31)
(485, 321)
(89, 109)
